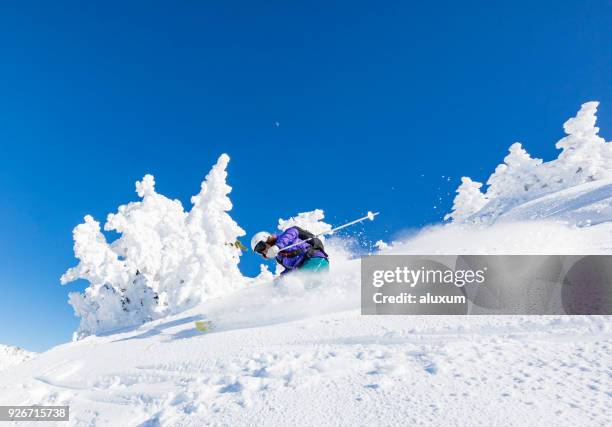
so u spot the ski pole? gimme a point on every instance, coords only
(369, 216)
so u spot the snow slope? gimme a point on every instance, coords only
(577, 220)
(11, 356)
(581, 205)
(299, 353)
(335, 369)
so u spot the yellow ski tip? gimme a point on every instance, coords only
(203, 325)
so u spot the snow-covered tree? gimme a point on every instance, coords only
(164, 261)
(214, 234)
(154, 241)
(117, 296)
(311, 221)
(585, 157)
(468, 200)
(517, 176)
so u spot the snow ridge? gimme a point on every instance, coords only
(585, 157)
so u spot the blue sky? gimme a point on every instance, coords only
(376, 103)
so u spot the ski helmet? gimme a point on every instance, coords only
(262, 236)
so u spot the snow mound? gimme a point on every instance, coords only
(585, 157)
(11, 356)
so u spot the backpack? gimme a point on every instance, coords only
(315, 244)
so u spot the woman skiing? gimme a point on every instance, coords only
(304, 251)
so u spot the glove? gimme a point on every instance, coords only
(272, 252)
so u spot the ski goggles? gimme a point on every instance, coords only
(260, 247)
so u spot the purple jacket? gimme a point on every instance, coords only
(289, 237)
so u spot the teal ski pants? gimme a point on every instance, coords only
(315, 265)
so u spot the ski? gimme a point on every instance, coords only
(203, 326)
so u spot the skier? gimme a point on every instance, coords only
(306, 252)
